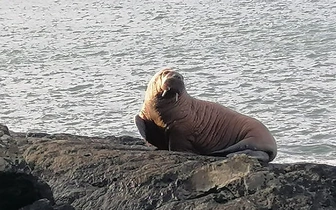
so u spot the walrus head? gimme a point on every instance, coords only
(166, 84)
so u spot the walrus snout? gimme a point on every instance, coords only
(177, 76)
(172, 84)
(170, 74)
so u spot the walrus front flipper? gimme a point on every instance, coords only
(178, 142)
(140, 123)
(248, 147)
(151, 132)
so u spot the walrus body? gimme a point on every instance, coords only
(171, 119)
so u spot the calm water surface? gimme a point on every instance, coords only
(82, 67)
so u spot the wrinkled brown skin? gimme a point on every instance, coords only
(183, 123)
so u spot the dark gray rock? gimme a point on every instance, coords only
(18, 187)
(4, 130)
(124, 173)
(42, 204)
(45, 204)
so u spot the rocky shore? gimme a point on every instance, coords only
(64, 172)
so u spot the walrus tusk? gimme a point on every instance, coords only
(176, 97)
(165, 92)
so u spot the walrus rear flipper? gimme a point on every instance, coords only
(151, 132)
(260, 155)
(243, 147)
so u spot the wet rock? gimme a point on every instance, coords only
(4, 130)
(124, 173)
(42, 204)
(45, 204)
(18, 187)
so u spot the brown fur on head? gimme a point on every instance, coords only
(165, 84)
(165, 87)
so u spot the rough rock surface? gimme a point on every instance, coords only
(124, 173)
(19, 188)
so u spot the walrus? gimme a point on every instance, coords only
(171, 119)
